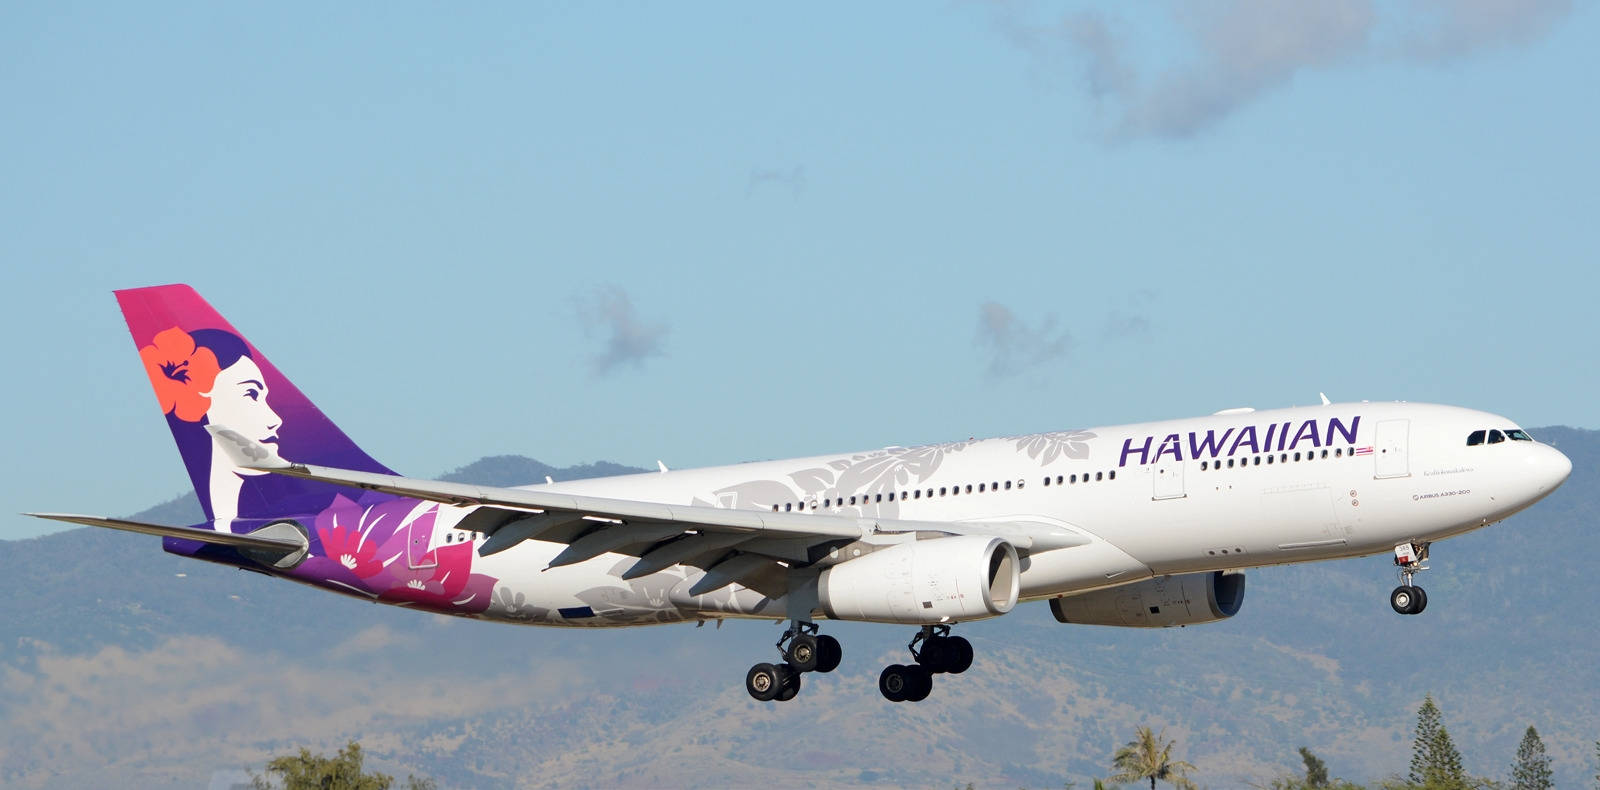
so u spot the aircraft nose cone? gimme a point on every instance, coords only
(1557, 466)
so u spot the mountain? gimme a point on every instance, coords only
(121, 664)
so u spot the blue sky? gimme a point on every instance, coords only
(715, 233)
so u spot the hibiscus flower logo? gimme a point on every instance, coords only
(181, 373)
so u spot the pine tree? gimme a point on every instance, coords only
(1316, 769)
(1435, 762)
(1531, 771)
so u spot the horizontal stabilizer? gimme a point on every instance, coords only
(260, 542)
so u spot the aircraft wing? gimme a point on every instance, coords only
(749, 546)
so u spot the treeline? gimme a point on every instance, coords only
(1436, 764)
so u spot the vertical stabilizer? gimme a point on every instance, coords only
(203, 372)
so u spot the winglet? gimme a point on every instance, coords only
(243, 451)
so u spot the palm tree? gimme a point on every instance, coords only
(1149, 756)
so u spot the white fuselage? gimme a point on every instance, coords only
(1210, 493)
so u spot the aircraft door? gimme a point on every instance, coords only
(419, 552)
(1393, 439)
(1167, 477)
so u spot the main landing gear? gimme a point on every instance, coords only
(935, 651)
(1409, 598)
(803, 650)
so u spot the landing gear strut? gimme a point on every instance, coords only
(1409, 598)
(935, 652)
(803, 650)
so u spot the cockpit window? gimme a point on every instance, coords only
(1496, 437)
(1475, 438)
(1519, 435)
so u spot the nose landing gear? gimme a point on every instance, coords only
(1409, 598)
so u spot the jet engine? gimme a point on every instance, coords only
(942, 580)
(1185, 599)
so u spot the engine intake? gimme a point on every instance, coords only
(1185, 599)
(968, 577)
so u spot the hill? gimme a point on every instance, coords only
(125, 665)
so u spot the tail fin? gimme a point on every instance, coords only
(203, 372)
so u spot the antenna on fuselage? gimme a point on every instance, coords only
(1324, 398)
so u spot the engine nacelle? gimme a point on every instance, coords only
(1185, 599)
(968, 577)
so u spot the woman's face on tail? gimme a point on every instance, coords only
(239, 402)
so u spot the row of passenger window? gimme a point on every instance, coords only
(1282, 458)
(902, 496)
(1083, 478)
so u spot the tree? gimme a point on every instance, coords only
(1316, 769)
(307, 771)
(1435, 762)
(1531, 771)
(1149, 756)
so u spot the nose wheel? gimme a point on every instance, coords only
(1409, 598)
(936, 652)
(803, 650)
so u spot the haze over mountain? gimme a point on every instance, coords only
(121, 664)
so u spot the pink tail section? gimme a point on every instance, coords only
(204, 372)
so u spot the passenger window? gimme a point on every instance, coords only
(1258, 460)
(1113, 474)
(1324, 454)
(1008, 485)
(916, 494)
(1475, 438)
(788, 506)
(980, 488)
(1202, 466)
(1296, 456)
(941, 490)
(1496, 437)
(1230, 463)
(879, 497)
(1269, 459)
(1058, 479)
(1097, 476)
(969, 488)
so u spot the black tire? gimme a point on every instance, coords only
(1422, 600)
(960, 655)
(763, 681)
(829, 653)
(936, 654)
(1403, 599)
(919, 685)
(789, 683)
(894, 682)
(803, 653)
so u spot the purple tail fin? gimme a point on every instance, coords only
(205, 372)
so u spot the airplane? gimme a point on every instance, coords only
(1143, 525)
